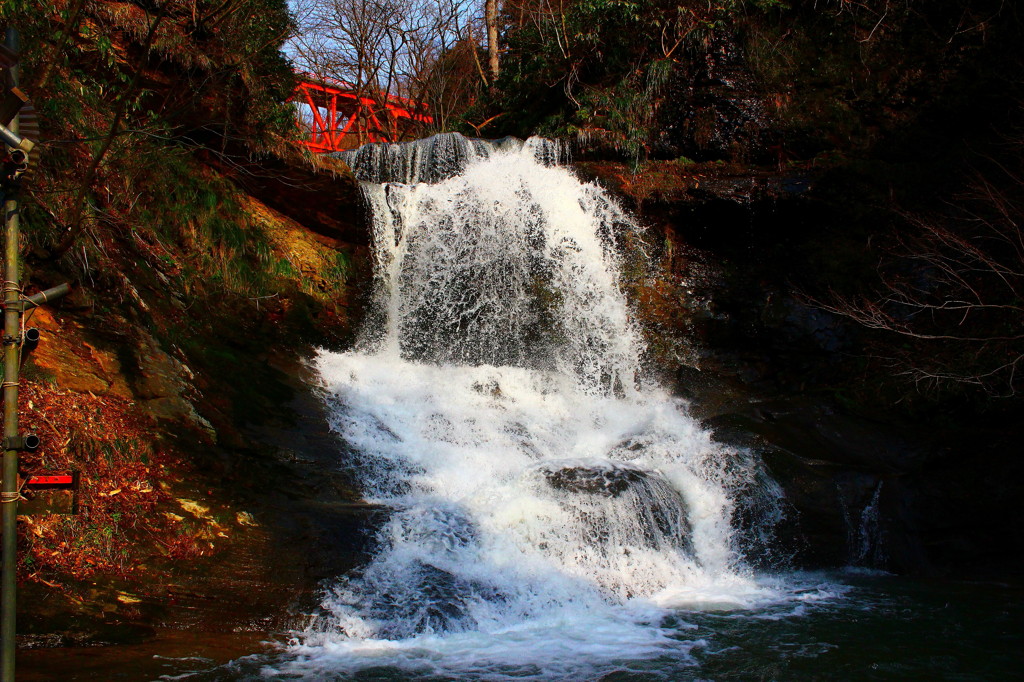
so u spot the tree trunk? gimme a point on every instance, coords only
(70, 26)
(491, 19)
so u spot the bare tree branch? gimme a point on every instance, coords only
(952, 285)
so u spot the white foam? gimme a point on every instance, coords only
(558, 646)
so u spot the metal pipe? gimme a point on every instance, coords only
(51, 294)
(9, 485)
(11, 138)
(30, 339)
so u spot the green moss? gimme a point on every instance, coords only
(338, 274)
(284, 268)
(30, 371)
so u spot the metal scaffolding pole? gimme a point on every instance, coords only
(9, 492)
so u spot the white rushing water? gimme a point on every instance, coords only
(551, 507)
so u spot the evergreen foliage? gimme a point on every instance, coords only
(834, 74)
(136, 89)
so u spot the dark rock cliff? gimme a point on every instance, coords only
(875, 473)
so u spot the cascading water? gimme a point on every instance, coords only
(551, 507)
(867, 541)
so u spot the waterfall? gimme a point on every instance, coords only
(868, 541)
(549, 503)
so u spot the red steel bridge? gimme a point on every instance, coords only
(336, 117)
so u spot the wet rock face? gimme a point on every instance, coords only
(608, 482)
(715, 109)
(866, 482)
(892, 495)
(430, 599)
(605, 496)
(840, 475)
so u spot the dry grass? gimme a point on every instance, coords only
(124, 475)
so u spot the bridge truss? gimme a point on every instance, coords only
(335, 117)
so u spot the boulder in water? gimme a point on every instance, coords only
(607, 480)
(639, 508)
(421, 598)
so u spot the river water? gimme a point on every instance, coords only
(554, 513)
(848, 625)
(859, 626)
